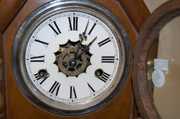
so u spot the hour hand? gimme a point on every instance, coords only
(92, 42)
(89, 45)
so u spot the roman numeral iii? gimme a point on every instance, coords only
(108, 59)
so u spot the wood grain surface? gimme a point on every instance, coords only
(2, 82)
(121, 107)
(8, 10)
(149, 36)
(136, 10)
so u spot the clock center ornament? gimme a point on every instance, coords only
(73, 58)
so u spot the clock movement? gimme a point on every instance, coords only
(70, 58)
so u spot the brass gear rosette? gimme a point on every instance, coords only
(73, 58)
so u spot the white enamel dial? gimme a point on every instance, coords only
(71, 59)
(45, 41)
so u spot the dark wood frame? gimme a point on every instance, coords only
(148, 37)
(8, 10)
(2, 82)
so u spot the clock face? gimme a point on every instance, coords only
(72, 58)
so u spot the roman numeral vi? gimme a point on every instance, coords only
(72, 92)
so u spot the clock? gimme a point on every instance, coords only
(71, 57)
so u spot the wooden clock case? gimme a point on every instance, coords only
(131, 14)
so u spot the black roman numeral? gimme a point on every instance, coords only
(37, 59)
(55, 88)
(107, 40)
(72, 92)
(104, 77)
(42, 42)
(108, 59)
(55, 28)
(90, 87)
(91, 30)
(73, 24)
(42, 75)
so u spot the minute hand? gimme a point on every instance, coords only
(92, 42)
